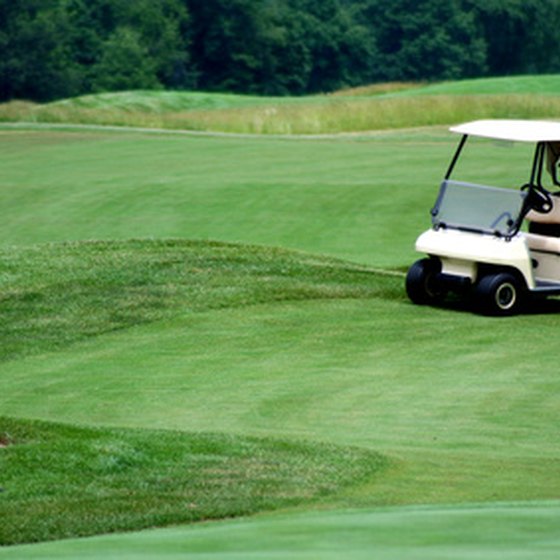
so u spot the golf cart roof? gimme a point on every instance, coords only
(512, 130)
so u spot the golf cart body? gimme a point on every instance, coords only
(499, 246)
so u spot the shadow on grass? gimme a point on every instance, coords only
(535, 306)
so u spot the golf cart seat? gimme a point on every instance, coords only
(545, 223)
(543, 243)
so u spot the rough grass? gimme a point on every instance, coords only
(59, 481)
(378, 89)
(54, 295)
(378, 107)
(361, 115)
(338, 115)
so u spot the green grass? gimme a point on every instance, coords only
(174, 101)
(362, 199)
(465, 408)
(101, 481)
(332, 197)
(491, 532)
(52, 296)
(235, 338)
(507, 85)
(378, 107)
(502, 86)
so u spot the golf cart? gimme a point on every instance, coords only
(499, 246)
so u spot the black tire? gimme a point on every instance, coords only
(500, 294)
(422, 285)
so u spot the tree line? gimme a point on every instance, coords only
(52, 49)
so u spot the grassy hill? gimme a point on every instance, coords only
(503, 86)
(55, 295)
(246, 295)
(95, 481)
(380, 107)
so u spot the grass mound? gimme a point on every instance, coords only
(168, 101)
(54, 295)
(60, 482)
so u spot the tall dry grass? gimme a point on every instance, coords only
(361, 115)
(331, 115)
(378, 89)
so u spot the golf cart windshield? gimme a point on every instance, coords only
(478, 208)
(468, 204)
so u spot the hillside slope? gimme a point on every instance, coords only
(360, 110)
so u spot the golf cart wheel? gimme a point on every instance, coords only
(422, 283)
(499, 294)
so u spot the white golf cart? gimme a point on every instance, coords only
(499, 246)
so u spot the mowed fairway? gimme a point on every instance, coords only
(464, 409)
(343, 198)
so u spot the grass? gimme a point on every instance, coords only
(507, 85)
(343, 115)
(378, 89)
(101, 481)
(336, 372)
(234, 340)
(502, 86)
(378, 107)
(339, 114)
(52, 296)
(360, 199)
(318, 197)
(492, 532)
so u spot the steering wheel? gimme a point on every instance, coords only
(538, 198)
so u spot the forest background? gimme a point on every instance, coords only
(52, 49)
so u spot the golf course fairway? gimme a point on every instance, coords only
(233, 287)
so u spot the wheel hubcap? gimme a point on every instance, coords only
(505, 296)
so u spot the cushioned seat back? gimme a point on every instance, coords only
(543, 243)
(552, 217)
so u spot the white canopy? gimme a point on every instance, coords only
(513, 130)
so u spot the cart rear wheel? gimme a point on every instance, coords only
(499, 294)
(422, 283)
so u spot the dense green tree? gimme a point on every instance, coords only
(124, 64)
(60, 48)
(227, 43)
(159, 29)
(286, 60)
(342, 49)
(162, 27)
(521, 35)
(277, 47)
(540, 54)
(432, 39)
(35, 62)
